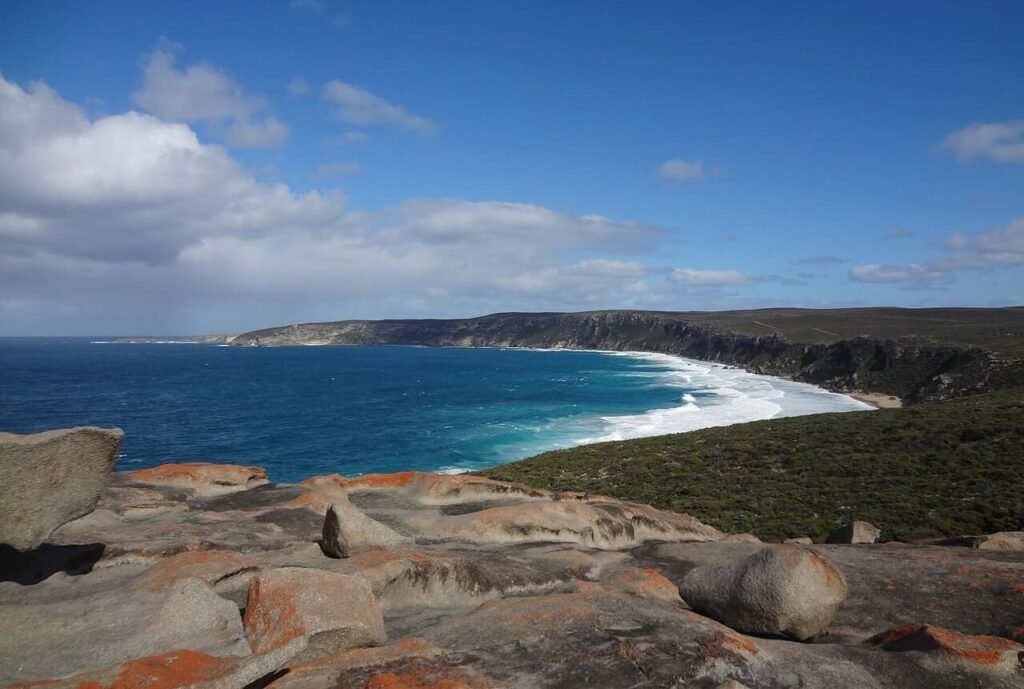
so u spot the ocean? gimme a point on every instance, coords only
(304, 411)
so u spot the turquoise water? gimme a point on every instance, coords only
(302, 411)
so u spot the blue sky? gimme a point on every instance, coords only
(195, 167)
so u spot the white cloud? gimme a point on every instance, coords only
(911, 273)
(1003, 247)
(268, 133)
(298, 87)
(717, 278)
(125, 187)
(127, 222)
(204, 93)
(336, 170)
(677, 170)
(1000, 142)
(356, 105)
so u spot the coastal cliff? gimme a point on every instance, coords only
(913, 354)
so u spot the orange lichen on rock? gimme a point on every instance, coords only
(984, 574)
(271, 616)
(207, 565)
(974, 650)
(724, 643)
(428, 676)
(165, 671)
(647, 582)
(325, 670)
(198, 474)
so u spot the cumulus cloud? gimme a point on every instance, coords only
(204, 93)
(1003, 247)
(356, 105)
(911, 273)
(692, 276)
(1000, 142)
(993, 249)
(677, 170)
(125, 222)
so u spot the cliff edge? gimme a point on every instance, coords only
(912, 354)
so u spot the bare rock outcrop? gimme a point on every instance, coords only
(986, 654)
(334, 612)
(203, 477)
(87, 632)
(784, 589)
(855, 532)
(48, 479)
(459, 581)
(182, 669)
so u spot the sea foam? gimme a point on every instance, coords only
(716, 396)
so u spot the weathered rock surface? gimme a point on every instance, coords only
(334, 612)
(202, 477)
(1009, 541)
(47, 479)
(975, 653)
(458, 582)
(782, 589)
(57, 638)
(855, 532)
(332, 539)
(178, 669)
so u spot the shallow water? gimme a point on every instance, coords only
(302, 411)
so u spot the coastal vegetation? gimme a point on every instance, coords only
(931, 470)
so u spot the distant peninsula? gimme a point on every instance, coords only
(910, 354)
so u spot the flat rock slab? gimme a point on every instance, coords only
(47, 479)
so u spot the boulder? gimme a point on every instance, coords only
(335, 612)
(1004, 540)
(984, 653)
(783, 589)
(741, 538)
(333, 541)
(855, 532)
(204, 478)
(48, 479)
(800, 540)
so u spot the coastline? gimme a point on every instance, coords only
(878, 400)
(739, 396)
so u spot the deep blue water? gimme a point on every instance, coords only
(301, 411)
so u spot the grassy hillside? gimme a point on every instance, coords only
(941, 468)
(1000, 330)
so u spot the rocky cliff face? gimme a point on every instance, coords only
(913, 372)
